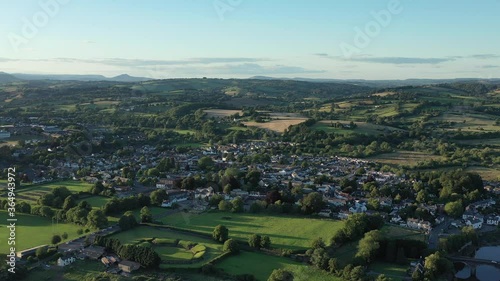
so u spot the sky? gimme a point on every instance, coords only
(332, 39)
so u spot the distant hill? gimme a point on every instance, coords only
(384, 83)
(78, 77)
(7, 78)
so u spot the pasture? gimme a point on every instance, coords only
(284, 231)
(399, 232)
(95, 201)
(27, 225)
(280, 121)
(361, 127)
(469, 122)
(402, 157)
(220, 113)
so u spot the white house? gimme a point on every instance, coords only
(475, 223)
(64, 261)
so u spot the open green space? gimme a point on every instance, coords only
(95, 201)
(33, 231)
(257, 264)
(309, 273)
(284, 231)
(399, 232)
(32, 192)
(394, 271)
(146, 233)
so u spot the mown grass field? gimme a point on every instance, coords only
(139, 234)
(285, 232)
(32, 231)
(257, 264)
(95, 201)
(394, 271)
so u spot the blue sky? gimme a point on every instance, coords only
(344, 39)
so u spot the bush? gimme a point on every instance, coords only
(231, 246)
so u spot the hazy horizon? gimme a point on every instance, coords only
(372, 40)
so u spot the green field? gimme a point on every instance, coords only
(259, 265)
(139, 234)
(33, 192)
(285, 232)
(394, 271)
(408, 158)
(361, 128)
(399, 232)
(309, 273)
(95, 201)
(32, 231)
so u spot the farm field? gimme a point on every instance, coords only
(491, 174)
(285, 232)
(219, 113)
(404, 157)
(473, 122)
(27, 225)
(275, 125)
(140, 234)
(260, 265)
(362, 128)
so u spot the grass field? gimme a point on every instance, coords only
(275, 125)
(404, 157)
(138, 234)
(33, 192)
(95, 201)
(257, 264)
(32, 231)
(285, 232)
(361, 128)
(398, 232)
(155, 211)
(309, 273)
(394, 271)
(346, 253)
(219, 113)
(491, 174)
(469, 122)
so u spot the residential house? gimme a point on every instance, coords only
(493, 220)
(64, 261)
(475, 223)
(418, 224)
